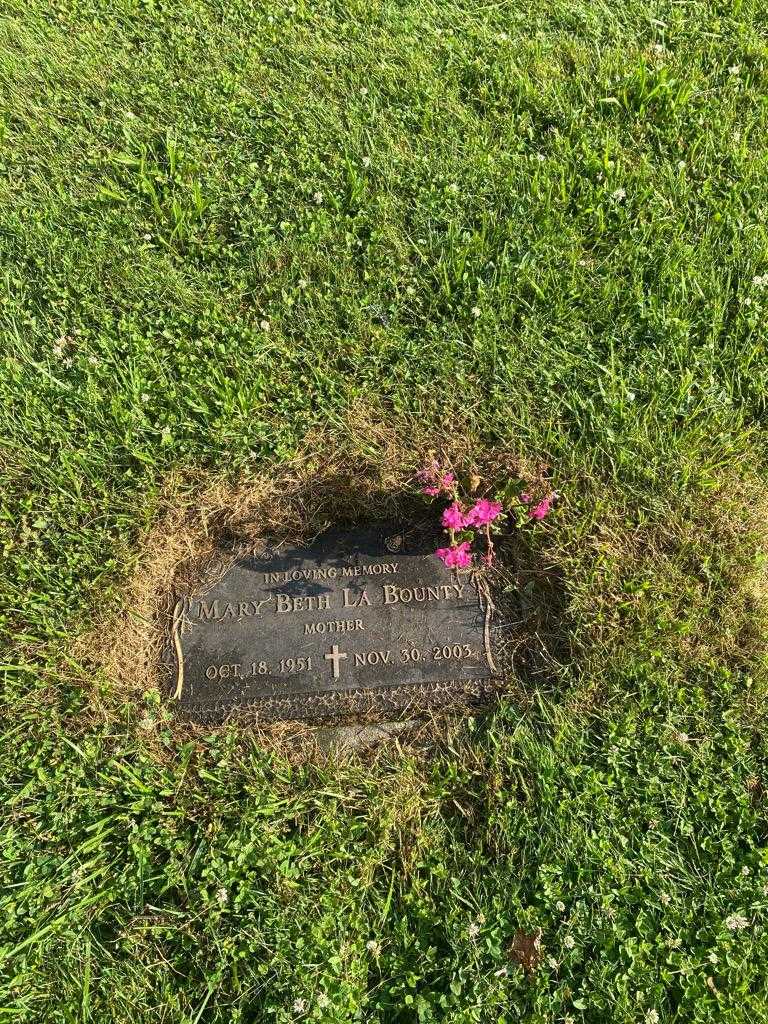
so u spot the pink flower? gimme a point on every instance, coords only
(541, 509)
(458, 557)
(435, 480)
(482, 513)
(526, 499)
(453, 518)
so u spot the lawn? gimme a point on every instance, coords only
(238, 238)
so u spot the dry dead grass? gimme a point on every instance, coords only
(362, 473)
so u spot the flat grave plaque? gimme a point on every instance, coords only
(362, 610)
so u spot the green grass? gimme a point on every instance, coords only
(539, 225)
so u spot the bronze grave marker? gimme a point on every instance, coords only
(309, 632)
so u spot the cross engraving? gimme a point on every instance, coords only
(335, 656)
